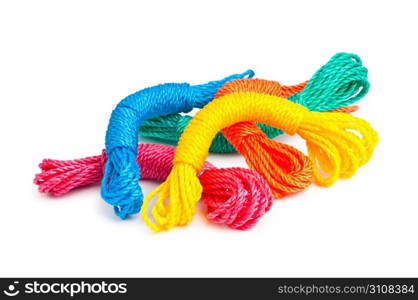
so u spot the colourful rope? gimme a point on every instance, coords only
(235, 197)
(286, 169)
(120, 186)
(335, 150)
(339, 83)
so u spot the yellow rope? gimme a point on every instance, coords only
(338, 144)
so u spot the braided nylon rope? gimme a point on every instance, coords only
(333, 147)
(120, 186)
(235, 197)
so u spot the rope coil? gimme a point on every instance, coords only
(235, 197)
(120, 186)
(332, 146)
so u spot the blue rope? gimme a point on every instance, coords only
(120, 186)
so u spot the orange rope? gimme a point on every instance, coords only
(347, 109)
(261, 86)
(286, 169)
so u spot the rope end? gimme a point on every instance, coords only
(177, 197)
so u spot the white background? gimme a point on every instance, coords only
(64, 65)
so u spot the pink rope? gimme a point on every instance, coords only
(235, 197)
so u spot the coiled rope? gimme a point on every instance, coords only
(120, 186)
(235, 197)
(333, 147)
